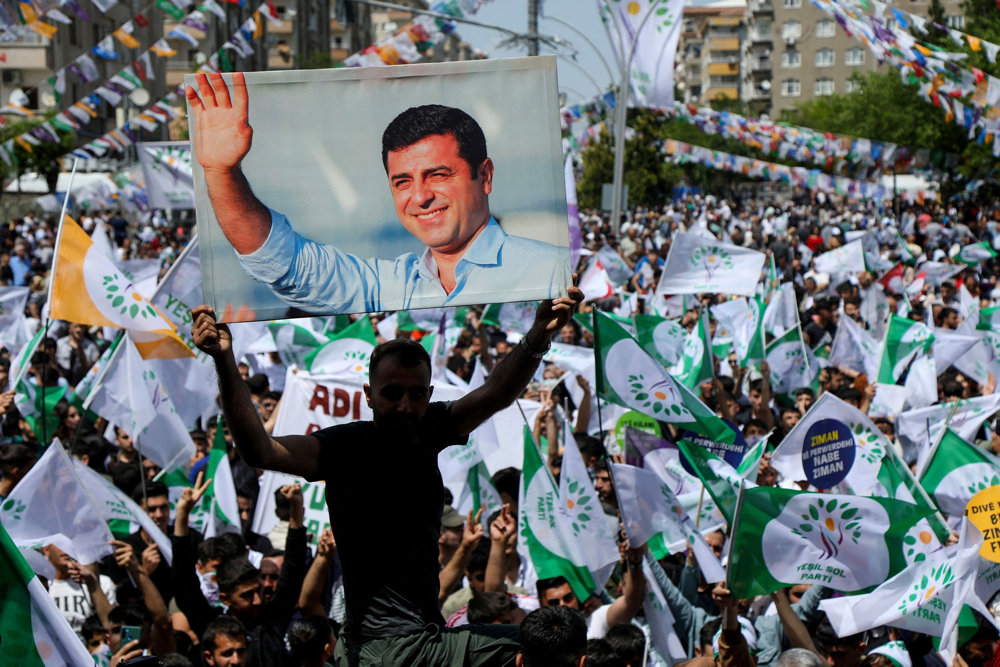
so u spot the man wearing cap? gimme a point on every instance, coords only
(452, 524)
(389, 467)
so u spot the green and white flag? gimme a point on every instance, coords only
(593, 538)
(628, 376)
(791, 365)
(897, 482)
(663, 339)
(974, 253)
(870, 444)
(922, 427)
(698, 264)
(295, 341)
(989, 319)
(904, 340)
(549, 526)
(917, 599)
(650, 509)
(846, 543)
(167, 168)
(348, 352)
(479, 492)
(744, 319)
(956, 471)
(36, 404)
(721, 480)
(511, 316)
(222, 513)
(695, 364)
(35, 632)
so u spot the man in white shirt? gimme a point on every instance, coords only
(78, 590)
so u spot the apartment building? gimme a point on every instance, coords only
(709, 50)
(794, 52)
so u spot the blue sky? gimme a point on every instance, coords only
(582, 14)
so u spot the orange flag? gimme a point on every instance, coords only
(89, 289)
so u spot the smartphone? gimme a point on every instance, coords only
(130, 632)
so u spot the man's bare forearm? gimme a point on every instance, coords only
(251, 440)
(244, 220)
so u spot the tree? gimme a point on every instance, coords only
(43, 158)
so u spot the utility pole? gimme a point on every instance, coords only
(533, 27)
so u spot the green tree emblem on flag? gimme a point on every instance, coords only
(832, 523)
(668, 497)
(125, 297)
(984, 483)
(660, 397)
(15, 509)
(919, 542)
(577, 507)
(938, 578)
(711, 259)
(361, 358)
(868, 442)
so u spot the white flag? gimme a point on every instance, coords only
(13, 333)
(697, 264)
(169, 177)
(50, 506)
(651, 33)
(113, 504)
(849, 258)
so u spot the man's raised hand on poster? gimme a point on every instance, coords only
(222, 138)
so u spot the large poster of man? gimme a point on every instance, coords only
(382, 188)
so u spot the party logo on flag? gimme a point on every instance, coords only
(831, 530)
(577, 507)
(14, 509)
(938, 578)
(711, 259)
(919, 543)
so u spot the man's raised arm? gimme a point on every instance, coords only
(511, 375)
(294, 454)
(222, 138)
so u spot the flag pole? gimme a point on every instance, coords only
(937, 444)
(52, 279)
(732, 531)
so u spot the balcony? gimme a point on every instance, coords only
(760, 64)
(760, 36)
(723, 69)
(762, 7)
(724, 44)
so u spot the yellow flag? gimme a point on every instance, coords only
(89, 289)
(162, 49)
(974, 42)
(28, 13)
(23, 143)
(126, 38)
(43, 29)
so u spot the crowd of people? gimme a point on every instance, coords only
(241, 598)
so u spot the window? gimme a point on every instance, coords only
(851, 85)
(792, 4)
(791, 30)
(790, 88)
(956, 21)
(825, 28)
(791, 59)
(854, 56)
(824, 58)
(823, 86)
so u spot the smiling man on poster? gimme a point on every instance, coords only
(440, 178)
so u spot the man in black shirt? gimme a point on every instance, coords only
(392, 599)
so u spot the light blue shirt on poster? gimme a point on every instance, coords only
(319, 278)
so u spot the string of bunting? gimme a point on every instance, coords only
(409, 44)
(240, 42)
(967, 95)
(831, 151)
(684, 153)
(161, 111)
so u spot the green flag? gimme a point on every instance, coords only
(546, 528)
(348, 351)
(955, 471)
(695, 365)
(626, 375)
(904, 340)
(663, 339)
(846, 543)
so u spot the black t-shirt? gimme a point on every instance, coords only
(385, 500)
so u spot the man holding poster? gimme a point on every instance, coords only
(440, 178)
(384, 489)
